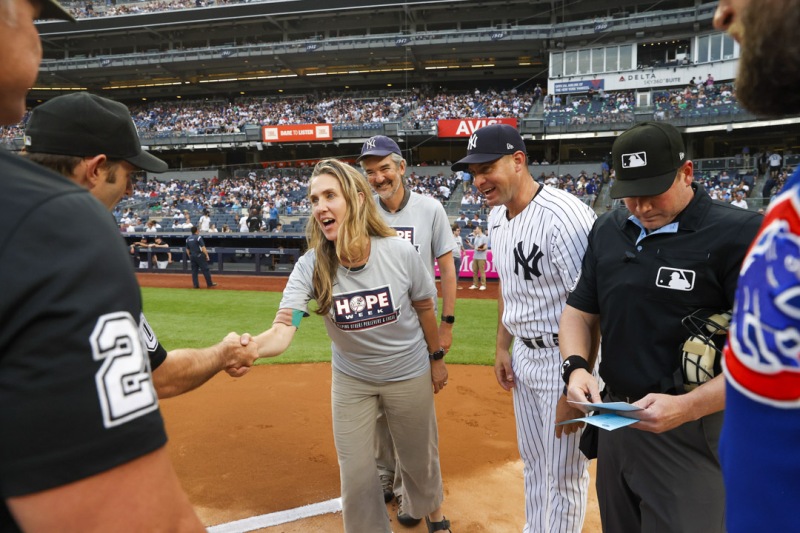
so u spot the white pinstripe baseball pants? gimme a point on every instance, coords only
(555, 471)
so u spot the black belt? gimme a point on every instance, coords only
(545, 341)
(617, 396)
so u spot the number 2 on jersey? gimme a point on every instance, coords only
(123, 381)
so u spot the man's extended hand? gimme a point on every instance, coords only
(241, 351)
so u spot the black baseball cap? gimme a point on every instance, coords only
(490, 143)
(646, 159)
(51, 9)
(86, 125)
(379, 145)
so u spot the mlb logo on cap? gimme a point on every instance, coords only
(647, 158)
(639, 159)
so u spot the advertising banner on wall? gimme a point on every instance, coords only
(467, 126)
(643, 79)
(297, 133)
(581, 86)
(465, 272)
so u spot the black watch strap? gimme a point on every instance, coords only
(572, 363)
(448, 319)
(438, 354)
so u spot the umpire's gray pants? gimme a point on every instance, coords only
(662, 483)
(409, 409)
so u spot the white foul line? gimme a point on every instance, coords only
(281, 517)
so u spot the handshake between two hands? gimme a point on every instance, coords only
(239, 353)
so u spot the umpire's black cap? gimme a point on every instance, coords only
(646, 159)
(86, 125)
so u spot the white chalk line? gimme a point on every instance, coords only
(281, 517)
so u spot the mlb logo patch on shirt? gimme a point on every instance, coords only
(676, 279)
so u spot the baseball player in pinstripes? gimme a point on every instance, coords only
(538, 237)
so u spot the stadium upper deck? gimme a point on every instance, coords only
(307, 44)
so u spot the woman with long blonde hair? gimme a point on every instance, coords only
(377, 299)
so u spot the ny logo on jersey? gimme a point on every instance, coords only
(529, 263)
(473, 142)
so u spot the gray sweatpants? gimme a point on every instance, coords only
(411, 417)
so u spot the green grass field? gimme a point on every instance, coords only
(185, 318)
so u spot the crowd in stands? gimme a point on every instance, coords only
(109, 8)
(699, 98)
(506, 103)
(218, 116)
(176, 205)
(418, 107)
(595, 107)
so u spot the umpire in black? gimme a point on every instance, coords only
(198, 256)
(673, 252)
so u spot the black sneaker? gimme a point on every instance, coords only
(387, 483)
(213, 285)
(405, 519)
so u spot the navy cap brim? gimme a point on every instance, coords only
(53, 10)
(376, 153)
(149, 162)
(472, 159)
(652, 186)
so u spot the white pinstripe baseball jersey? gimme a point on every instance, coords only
(537, 255)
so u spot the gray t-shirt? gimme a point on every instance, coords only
(375, 331)
(477, 241)
(458, 248)
(423, 222)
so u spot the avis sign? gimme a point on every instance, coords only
(467, 126)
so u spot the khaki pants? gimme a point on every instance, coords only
(479, 271)
(410, 414)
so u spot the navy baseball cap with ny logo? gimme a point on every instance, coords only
(379, 145)
(489, 144)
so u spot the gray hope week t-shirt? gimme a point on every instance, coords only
(423, 221)
(375, 331)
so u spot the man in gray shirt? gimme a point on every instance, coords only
(422, 221)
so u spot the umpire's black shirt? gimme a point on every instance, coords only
(643, 285)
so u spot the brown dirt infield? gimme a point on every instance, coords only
(263, 443)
